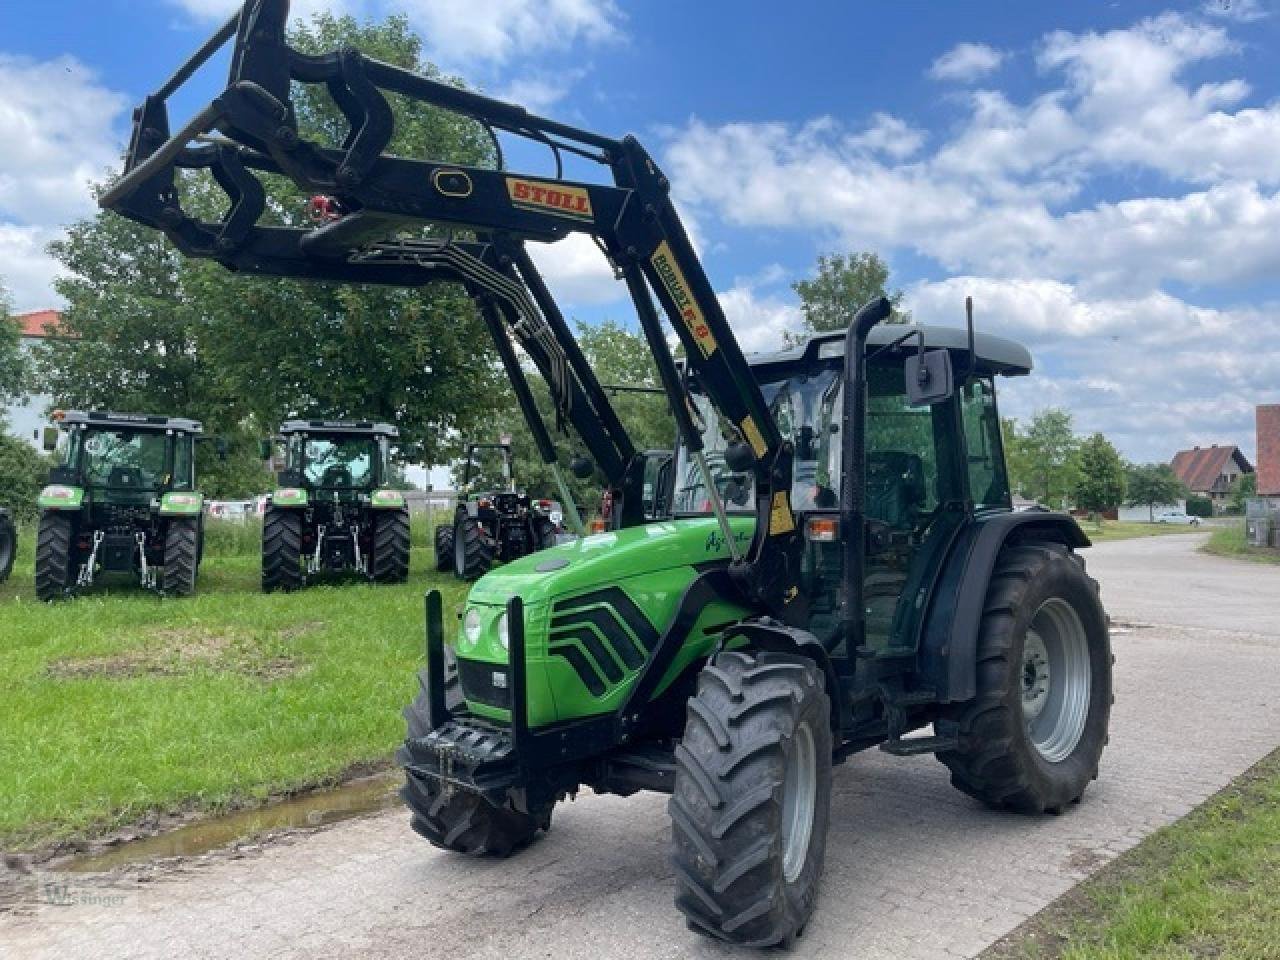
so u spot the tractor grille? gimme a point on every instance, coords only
(484, 683)
(602, 635)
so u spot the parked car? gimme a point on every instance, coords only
(237, 510)
(1179, 517)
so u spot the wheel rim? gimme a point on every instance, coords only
(1055, 680)
(800, 791)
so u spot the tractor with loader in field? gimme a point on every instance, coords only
(331, 511)
(122, 500)
(839, 569)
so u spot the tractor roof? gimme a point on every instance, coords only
(994, 354)
(135, 421)
(367, 427)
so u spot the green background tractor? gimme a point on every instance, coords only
(493, 521)
(8, 543)
(332, 511)
(122, 500)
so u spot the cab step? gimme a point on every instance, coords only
(914, 746)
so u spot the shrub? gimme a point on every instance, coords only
(23, 471)
(1199, 506)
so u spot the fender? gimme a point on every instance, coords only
(949, 643)
(768, 634)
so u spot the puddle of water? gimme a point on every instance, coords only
(312, 810)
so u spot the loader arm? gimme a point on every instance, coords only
(251, 129)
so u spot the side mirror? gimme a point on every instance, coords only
(582, 467)
(49, 439)
(739, 457)
(264, 449)
(929, 378)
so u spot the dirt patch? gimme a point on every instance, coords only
(179, 651)
(296, 630)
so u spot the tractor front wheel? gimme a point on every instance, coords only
(281, 550)
(181, 558)
(55, 559)
(8, 546)
(752, 798)
(444, 547)
(1032, 737)
(472, 548)
(455, 819)
(390, 560)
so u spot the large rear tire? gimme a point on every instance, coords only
(181, 558)
(281, 550)
(390, 560)
(472, 548)
(8, 545)
(455, 819)
(444, 547)
(1032, 738)
(55, 559)
(752, 798)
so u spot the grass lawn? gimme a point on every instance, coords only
(1206, 886)
(1228, 541)
(1116, 530)
(120, 702)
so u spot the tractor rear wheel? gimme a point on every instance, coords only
(544, 533)
(181, 558)
(752, 798)
(8, 546)
(472, 548)
(390, 560)
(55, 562)
(444, 547)
(281, 550)
(455, 819)
(1032, 737)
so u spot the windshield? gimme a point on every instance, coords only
(122, 459)
(806, 407)
(334, 462)
(489, 468)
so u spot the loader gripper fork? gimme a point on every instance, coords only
(251, 129)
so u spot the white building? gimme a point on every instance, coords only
(26, 420)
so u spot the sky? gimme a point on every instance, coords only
(1102, 178)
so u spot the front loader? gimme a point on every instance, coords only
(122, 500)
(839, 567)
(493, 523)
(332, 512)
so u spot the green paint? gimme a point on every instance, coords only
(652, 565)
(181, 504)
(57, 496)
(386, 500)
(289, 497)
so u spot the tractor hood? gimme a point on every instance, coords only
(608, 558)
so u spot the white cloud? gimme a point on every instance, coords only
(759, 322)
(59, 127)
(966, 62)
(497, 31)
(1243, 11)
(25, 269)
(576, 272)
(220, 10)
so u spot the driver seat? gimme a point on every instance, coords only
(895, 487)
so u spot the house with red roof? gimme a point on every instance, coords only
(1211, 471)
(26, 420)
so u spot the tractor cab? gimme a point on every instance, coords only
(122, 480)
(336, 459)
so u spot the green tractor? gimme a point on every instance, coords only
(835, 565)
(332, 512)
(492, 524)
(8, 543)
(122, 500)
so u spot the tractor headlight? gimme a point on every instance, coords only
(471, 627)
(504, 638)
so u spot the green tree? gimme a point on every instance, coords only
(154, 330)
(842, 284)
(13, 361)
(1151, 485)
(1101, 476)
(1044, 457)
(1244, 487)
(23, 471)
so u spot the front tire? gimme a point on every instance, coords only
(281, 550)
(1032, 738)
(181, 558)
(453, 819)
(55, 560)
(752, 798)
(472, 549)
(390, 560)
(444, 547)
